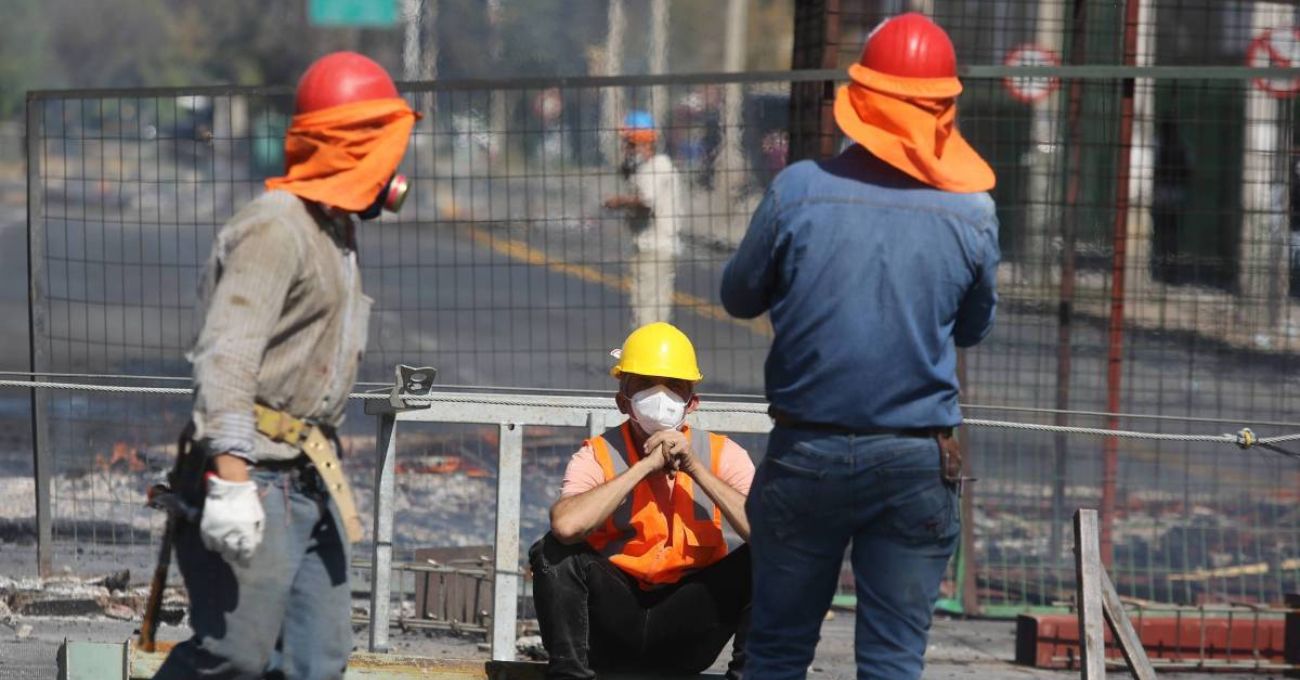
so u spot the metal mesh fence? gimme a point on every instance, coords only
(506, 270)
(1203, 32)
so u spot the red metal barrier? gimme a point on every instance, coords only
(1238, 640)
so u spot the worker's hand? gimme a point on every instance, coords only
(613, 203)
(656, 459)
(232, 519)
(677, 446)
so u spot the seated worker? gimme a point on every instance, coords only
(637, 573)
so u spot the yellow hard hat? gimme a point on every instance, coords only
(658, 350)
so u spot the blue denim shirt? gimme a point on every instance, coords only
(871, 278)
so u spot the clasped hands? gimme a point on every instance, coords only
(670, 450)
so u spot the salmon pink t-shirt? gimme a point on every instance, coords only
(583, 473)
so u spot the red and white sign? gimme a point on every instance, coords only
(1276, 48)
(1031, 89)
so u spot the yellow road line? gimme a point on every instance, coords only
(522, 252)
(1222, 572)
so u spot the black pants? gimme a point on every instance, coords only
(595, 616)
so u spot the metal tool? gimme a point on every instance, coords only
(163, 497)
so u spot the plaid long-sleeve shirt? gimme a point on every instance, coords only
(284, 324)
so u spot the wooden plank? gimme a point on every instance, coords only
(361, 666)
(1129, 641)
(530, 670)
(1087, 561)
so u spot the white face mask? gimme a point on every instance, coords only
(658, 408)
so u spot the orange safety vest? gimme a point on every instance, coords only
(654, 546)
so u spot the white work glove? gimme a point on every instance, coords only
(232, 519)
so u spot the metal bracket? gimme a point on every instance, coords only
(409, 381)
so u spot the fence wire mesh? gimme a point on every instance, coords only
(506, 269)
(1202, 32)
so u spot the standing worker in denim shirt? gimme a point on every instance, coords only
(875, 266)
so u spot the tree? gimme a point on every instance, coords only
(25, 60)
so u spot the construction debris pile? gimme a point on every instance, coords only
(112, 596)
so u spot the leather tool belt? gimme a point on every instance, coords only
(279, 426)
(950, 453)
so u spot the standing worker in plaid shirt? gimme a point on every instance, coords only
(284, 328)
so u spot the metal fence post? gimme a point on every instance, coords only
(505, 578)
(38, 336)
(382, 553)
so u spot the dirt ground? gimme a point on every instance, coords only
(958, 649)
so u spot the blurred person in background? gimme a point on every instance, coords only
(653, 204)
(875, 266)
(283, 330)
(639, 572)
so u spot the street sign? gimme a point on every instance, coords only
(1276, 48)
(1036, 88)
(353, 13)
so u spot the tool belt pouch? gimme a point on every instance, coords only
(282, 427)
(321, 453)
(950, 463)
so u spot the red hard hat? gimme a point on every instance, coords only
(342, 78)
(910, 46)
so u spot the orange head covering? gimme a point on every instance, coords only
(902, 106)
(348, 135)
(343, 156)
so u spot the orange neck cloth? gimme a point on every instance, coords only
(344, 155)
(914, 133)
(640, 136)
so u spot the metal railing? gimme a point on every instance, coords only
(511, 414)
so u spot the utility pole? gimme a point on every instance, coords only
(500, 104)
(925, 7)
(612, 111)
(1045, 156)
(659, 59)
(1263, 264)
(1142, 179)
(735, 47)
(411, 39)
(420, 47)
(1044, 153)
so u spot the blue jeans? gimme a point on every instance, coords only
(289, 613)
(814, 495)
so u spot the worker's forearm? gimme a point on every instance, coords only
(574, 517)
(730, 501)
